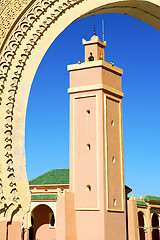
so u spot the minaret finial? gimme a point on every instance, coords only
(94, 31)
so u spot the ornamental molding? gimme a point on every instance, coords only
(10, 200)
(9, 11)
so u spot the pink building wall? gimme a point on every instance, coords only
(96, 146)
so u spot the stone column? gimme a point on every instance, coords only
(65, 217)
(146, 234)
(26, 233)
(148, 224)
(133, 230)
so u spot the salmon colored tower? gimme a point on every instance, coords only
(96, 146)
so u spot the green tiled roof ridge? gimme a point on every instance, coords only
(139, 202)
(44, 197)
(152, 198)
(55, 176)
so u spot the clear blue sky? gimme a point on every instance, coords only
(133, 46)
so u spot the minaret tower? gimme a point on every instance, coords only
(96, 146)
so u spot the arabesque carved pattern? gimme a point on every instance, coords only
(9, 14)
(39, 9)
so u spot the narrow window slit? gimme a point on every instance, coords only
(89, 187)
(88, 112)
(112, 123)
(88, 146)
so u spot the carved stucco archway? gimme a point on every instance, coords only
(27, 29)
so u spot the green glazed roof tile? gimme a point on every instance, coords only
(56, 176)
(152, 198)
(44, 197)
(141, 203)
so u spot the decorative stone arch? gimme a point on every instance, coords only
(40, 204)
(142, 224)
(51, 205)
(144, 217)
(156, 213)
(28, 27)
(41, 214)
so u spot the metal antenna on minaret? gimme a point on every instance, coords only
(94, 31)
(103, 30)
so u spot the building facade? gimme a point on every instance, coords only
(143, 218)
(66, 204)
(142, 215)
(40, 222)
(89, 201)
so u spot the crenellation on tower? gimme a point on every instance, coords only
(95, 48)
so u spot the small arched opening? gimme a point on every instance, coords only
(43, 223)
(141, 225)
(155, 227)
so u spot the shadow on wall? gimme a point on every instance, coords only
(141, 225)
(155, 227)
